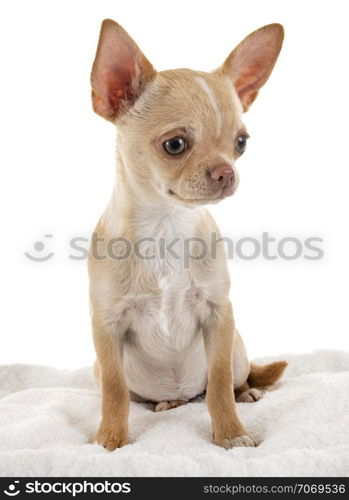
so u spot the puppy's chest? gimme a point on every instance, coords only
(167, 311)
(170, 316)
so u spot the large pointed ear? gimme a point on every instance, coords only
(251, 62)
(119, 73)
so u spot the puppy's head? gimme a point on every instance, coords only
(180, 131)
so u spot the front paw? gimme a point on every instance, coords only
(228, 441)
(111, 437)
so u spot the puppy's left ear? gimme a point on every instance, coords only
(251, 62)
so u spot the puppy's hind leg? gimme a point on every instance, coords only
(250, 379)
(241, 366)
(247, 394)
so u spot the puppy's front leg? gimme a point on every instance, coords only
(218, 331)
(113, 428)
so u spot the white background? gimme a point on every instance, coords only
(57, 166)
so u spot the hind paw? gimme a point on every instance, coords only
(250, 396)
(168, 405)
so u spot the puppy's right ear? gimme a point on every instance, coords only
(119, 73)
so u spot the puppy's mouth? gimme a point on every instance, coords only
(194, 200)
(224, 193)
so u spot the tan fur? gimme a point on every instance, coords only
(164, 331)
(259, 377)
(262, 376)
(240, 390)
(113, 429)
(218, 337)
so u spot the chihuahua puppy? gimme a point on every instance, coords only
(163, 325)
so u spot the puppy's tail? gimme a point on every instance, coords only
(262, 376)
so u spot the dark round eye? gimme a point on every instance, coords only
(175, 146)
(241, 143)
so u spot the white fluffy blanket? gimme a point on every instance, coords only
(48, 417)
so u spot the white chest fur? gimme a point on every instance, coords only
(164, 353)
